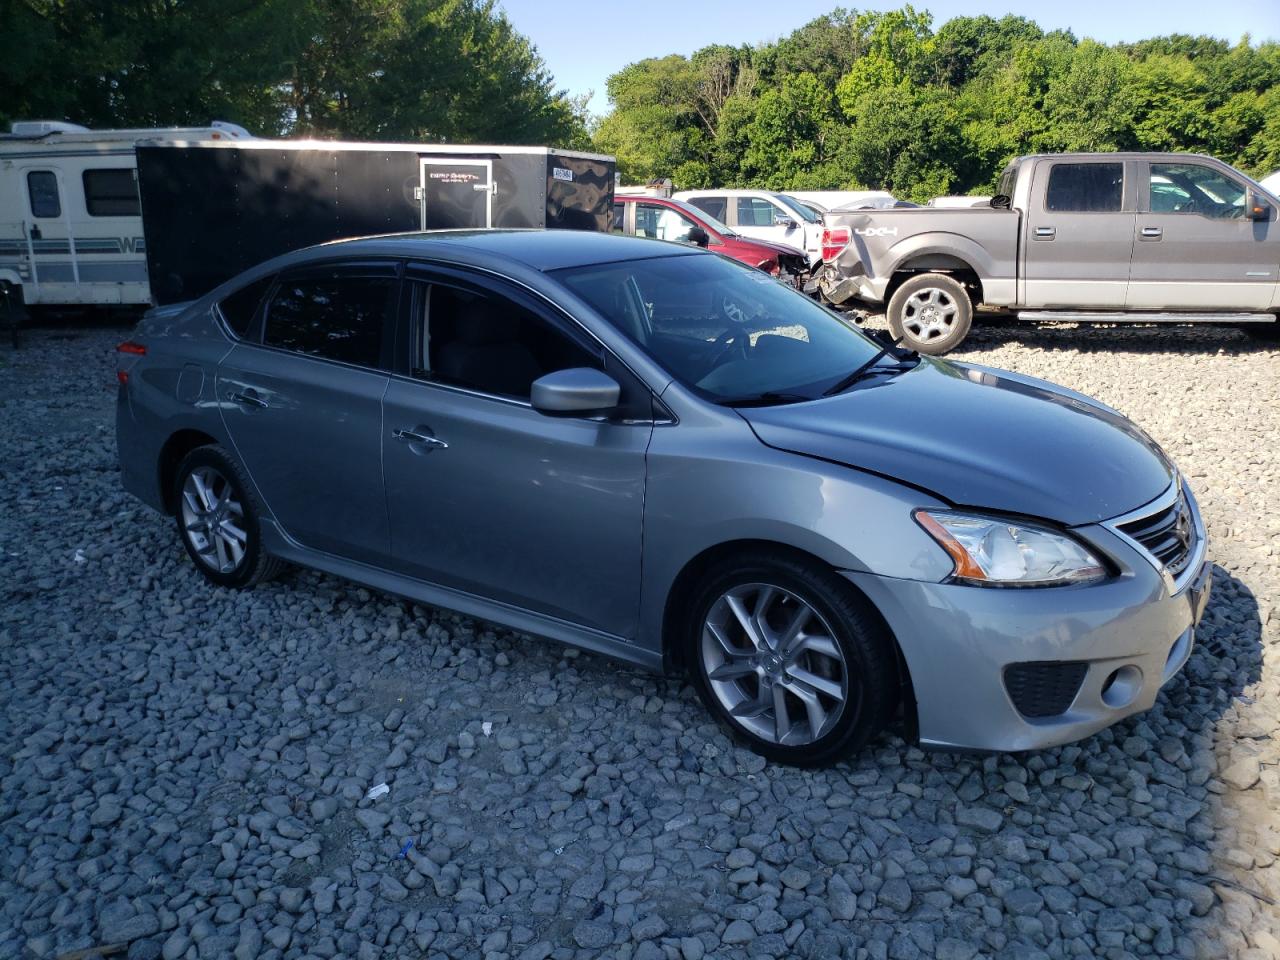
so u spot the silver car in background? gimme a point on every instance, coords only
(651, 452)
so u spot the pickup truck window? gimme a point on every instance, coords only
(753, 212)
(1085, 187)
(717, 207)
(1195, 188)
(619, 218)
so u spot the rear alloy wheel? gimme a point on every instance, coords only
(930, 313)
(792, 660)
(218, 521)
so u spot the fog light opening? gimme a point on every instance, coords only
(1121, 687)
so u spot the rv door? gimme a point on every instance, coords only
(456, 194)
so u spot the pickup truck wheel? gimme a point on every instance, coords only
(930, 313)
(1265, 332)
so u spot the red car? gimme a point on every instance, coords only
(675, 220)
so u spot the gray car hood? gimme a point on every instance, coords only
(979, 437)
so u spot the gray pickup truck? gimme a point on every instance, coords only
(1142, 237)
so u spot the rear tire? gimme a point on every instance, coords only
(217, 517)
(771, 635)
(930, 313)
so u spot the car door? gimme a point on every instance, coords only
(1195, 247)
(1079, 235)
(301, 398)
(489, 496)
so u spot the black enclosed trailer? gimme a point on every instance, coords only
(210, 210)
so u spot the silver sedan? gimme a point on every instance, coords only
(652, 452)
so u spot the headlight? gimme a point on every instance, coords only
(994, 552)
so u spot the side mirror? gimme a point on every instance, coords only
(781, 220)
(698, 237)
(1258, 208)
(577, 390)
(1002, 201)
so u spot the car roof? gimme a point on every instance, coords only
(540, 249)
(728, 193)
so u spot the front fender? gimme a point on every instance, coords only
(709, 487)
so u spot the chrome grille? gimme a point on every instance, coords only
(1168, 534)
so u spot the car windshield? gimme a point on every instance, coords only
(701, 215)
(801, 211)
(732, 333)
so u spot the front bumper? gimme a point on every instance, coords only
(1131, 633)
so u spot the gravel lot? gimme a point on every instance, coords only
(183, 770)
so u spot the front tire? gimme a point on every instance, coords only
(217, 519)
(930, 313)
(790, 658)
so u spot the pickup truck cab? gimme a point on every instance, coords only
(662, 218)
(763, 215)
(1144, 237)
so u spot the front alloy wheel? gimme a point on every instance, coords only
(788, 655)
(773, 665)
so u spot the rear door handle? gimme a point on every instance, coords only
(1152, 233)
(1046, 233)
(248, 398)
(416, 436)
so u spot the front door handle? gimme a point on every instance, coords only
(416, 436)
(1046, 233)
(1152, 233)
(248, 398)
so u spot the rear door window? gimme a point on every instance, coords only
(42, 191)
(239, 309)
(1085, 188)
(342, 314)
(716, 206)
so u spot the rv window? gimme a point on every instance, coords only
(42, 189)
(111, 193)
(337, 317)
(239, 309)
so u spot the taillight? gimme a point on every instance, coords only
(834, 240)
(130, 348)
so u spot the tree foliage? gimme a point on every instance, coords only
(376, 69)
(883, 100)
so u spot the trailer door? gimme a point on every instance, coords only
(456, 194)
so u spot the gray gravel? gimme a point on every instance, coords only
(184, 770)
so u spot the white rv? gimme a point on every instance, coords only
(70, 222)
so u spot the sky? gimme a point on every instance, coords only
(582, 49)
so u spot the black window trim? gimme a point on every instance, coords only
(57, 189)
(255, 335)
(1126, 187)
(84, 186)
(491, 281)
(221, 317)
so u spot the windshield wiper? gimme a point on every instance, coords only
(862, 369)
(767, 399)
